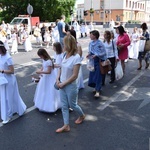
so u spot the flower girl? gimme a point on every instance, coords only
(26, 40)
(46, 97)
(47, 38)
(14, 48)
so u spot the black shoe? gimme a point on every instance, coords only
(147, 65)
(111, 81)
(103, 84)
(140, 68)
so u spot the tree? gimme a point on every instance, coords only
(47, 10)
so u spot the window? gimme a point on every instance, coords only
(126, 15)
(102, 15)
(135, 4)
(126, 3)
(130, 4)
(25, 21)
(141, 6)
(102, 4)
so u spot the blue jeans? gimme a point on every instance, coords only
(62, 42)
(68, 96)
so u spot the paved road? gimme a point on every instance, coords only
(118, 120)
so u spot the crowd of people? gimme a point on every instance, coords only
(61, 77)
(44, 35)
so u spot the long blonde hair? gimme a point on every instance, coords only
(70, 44)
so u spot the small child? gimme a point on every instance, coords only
(47, 38)
(46, 97)
(14, 48)
(26, 40)
(58, 57)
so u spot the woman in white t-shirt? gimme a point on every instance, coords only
(66, 81)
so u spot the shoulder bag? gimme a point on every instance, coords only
(105, 66)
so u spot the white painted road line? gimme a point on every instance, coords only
(114, 97)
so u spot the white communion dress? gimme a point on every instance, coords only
(27, 42)
(11, 102)
(133, 48)
(14, 48)
(46, 97)
(58, 60)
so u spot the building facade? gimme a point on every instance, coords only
(118, 10)
(80, 12)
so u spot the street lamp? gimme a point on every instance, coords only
(30, 11)
(91, 11)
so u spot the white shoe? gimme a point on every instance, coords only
(97, 95)
(6, 121)
(126, 60)
(109, 72)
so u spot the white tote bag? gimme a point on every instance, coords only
(90, 65)
(141, 45)
(118, 71)
(3, 80)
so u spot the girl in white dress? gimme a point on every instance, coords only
(56, 34)
(11, 102)
(133, 47)
(46, 97)
(14, 48)
(58, 57)
(26, 40)
(37, 33)
(47, 37)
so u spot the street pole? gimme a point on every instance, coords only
(92, 13)
(110, 10)
(104, 16)
(30, 11)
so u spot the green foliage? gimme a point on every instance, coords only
(47, 10)
(134, 21)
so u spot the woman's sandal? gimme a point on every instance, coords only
(63, 129)
(80, 119)
(97, 95)
(147, 65)
(139, 68)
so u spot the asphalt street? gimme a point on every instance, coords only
(118, 120)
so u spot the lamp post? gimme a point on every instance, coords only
(30, 11)
(91, 11)
(104, 12)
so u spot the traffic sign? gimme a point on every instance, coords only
(30, 9)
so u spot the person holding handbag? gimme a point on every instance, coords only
(111, 52)
(123, 41)
(96, 52)
(142, 55)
